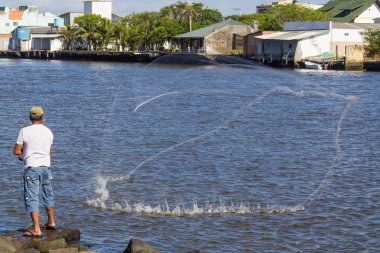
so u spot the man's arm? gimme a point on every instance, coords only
(17, 150)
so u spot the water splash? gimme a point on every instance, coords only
(195, 209)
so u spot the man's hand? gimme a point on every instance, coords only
(17, 150)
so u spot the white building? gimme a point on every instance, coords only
(36, 38)
(23, 16)
(306, 39)
(357, 11)
(102, 8)
(69, 17)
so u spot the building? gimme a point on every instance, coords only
(36, 38)
(12, 18)
(69, 17)
(363, 11)
(98, 7)
(102, 8)
(301, 40)
(251, 43)
(264, 7)
(216, 39)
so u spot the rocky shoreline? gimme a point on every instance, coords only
(61, 240)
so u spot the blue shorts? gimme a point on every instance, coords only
(37, 183)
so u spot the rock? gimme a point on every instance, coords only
(137, 246)
(60, 240)
(28, 251)
(67, 250)
(6, 245)
(5, 250)
(193, 251)
(48, 245)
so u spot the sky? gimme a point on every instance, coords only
(125, 7)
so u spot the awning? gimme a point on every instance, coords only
(292, 35)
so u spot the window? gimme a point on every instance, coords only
(6, 24)
(15, 23)
(346, 34)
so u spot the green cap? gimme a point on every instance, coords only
(36, 112)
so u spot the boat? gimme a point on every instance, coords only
(312, 65)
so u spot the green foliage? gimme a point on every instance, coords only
(372, 38)
(276, 16)
(89, 29)
(71, 37)
(247, 19)
(150, 30)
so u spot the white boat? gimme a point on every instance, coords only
(313, 65)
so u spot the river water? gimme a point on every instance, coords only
(216, 158)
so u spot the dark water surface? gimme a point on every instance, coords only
(217, 158)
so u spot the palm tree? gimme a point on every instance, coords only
(120, 32)
(70, 37)
(88, 28)
(105, 33)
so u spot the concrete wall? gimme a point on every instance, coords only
(345, 37)
(221, 41)
(354, 57)
(369, 15)
(251, 43)
(70, 17)
(102, 8)
(313, 47)
(4, 44)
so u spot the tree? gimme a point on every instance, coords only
(89, 29)
(372, 38)
(121, 33)
(105, 33)
(70, 37)
(277, 15)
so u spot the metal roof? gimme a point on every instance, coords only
(205, 31)
(365, 26)
(346, 10)
(292, 35)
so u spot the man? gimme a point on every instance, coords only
(34, 143)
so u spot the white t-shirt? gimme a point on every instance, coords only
(36, 141)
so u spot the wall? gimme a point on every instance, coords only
(221, 41)
(369, 15)
(29, 17)
(354, 58)
(345, 37)
(70, 17)
(251, 43)
(104, 9)
(313, 47)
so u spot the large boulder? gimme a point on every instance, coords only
(51, 240)
(137, 246)
(6, 245)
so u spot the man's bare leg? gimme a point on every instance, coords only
(50, 214)
(36, 224)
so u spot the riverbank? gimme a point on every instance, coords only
(368, 64)
(82, 56)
